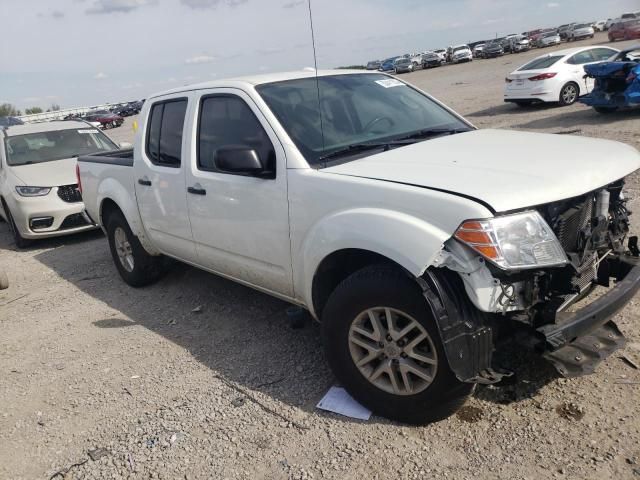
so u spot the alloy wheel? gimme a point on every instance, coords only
(123, 249)
(393, 351)
(569, 94)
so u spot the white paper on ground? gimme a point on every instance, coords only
(337, 400)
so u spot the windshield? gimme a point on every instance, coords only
(355, 109)
(457, 49)
(581, 25)
(540, 63)
(55, 145)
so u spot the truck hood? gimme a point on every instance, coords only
(47, 174)
(505, 170)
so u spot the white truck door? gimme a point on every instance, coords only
(160, 178)
(240, 221)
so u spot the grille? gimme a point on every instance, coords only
(569, 224)
(69, 193)
(73, 221)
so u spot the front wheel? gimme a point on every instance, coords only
(19, 240)
(384, 347)
(569, 94)
(135, 265)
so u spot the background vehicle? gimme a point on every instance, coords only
(629, 16)
(389, 65)
(374, 65)
(610, 22)
(403, 65)
(477, 50)
(105, 118)
(580, 31)
(599, 26)
(493, 49)
(442, 53)
(461, 53)
(563, 30)
(431, 59)
(624, 30)
(547, 39)
(617, 82)
(520, 43)
(10, 121)
(38, 191)
(373, 226)
(556, 77)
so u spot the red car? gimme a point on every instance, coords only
(626, 30)
(106, 119)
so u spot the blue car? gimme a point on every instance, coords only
(389, 65)
(617, 82)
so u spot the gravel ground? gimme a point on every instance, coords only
(197, 377)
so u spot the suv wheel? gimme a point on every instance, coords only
(19, 240)
(135, 265)
(385, 349)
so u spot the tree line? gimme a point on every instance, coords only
(8, 110)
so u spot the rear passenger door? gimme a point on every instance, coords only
(160, 178)
(240, 222)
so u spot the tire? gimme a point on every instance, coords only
(605, 110)
(566, 97)
(4, 281)
(136, 267)
(382, 288)
(19, 240)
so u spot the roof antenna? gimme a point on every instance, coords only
(315, 62)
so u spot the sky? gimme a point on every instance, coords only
(87, 52)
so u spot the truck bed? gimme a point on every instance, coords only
(116, 157)
(108, 172)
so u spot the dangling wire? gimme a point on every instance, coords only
(315, 62)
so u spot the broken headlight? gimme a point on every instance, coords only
(513, 242)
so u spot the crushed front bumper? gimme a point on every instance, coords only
(579, 341)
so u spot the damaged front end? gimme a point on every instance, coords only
(616, 84)
(551, 306)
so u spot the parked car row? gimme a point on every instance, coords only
(99, 118)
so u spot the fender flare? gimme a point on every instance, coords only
(408, 241)
(114, 191)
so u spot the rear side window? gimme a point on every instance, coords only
(581, 58)
(164, 136)
(226, 120)
(540, 63)
(600, 54)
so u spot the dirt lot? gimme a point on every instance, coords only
(228, 390)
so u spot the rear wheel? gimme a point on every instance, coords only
(384, 347)
(135, 265)
(569, 94)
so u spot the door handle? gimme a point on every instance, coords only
(144, 181)
(197, 190)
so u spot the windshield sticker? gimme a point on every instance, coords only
(88, 131)
(391, 82)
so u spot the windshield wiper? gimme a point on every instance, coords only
(433, 132)
(360, 147)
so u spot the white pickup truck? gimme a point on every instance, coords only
(421, 243)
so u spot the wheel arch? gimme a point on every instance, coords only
(119, 200)
(369, 236)
(339, 265)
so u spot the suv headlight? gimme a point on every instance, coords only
(33, 191)
(513, 242)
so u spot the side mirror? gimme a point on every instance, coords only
(238, 159)
(125, 146)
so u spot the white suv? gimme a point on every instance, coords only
(38, 191)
